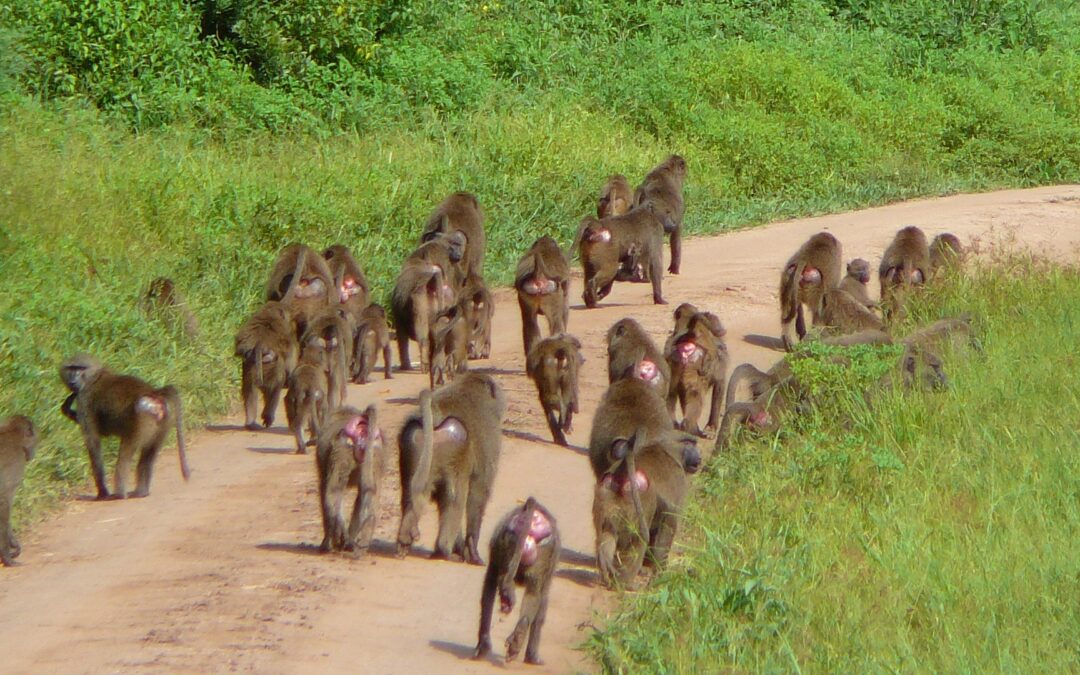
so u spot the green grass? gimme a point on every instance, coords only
(931, 532)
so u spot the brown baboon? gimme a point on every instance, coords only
(524, 552)
(352, 286)
(945, 251)
(163, 296)
(350, 451)
(371, 337)
(662, 190)
(449, 454)
(543, 286)
(953, 332)
(813, 270)
(302, 281)
(698, 359)
(621, 248)
(331, 332)
(856, 282)
(107, 404)
(904, 265)
(616, 197)
(268, 347)
(553, 365)
(842, 314)
(479, 304)
(305, 402)
(685, 312)
(762, 415)
(421, 292)
(632, 353)
(460, 216)
(448, 345)
(18, 438)
(636, 505)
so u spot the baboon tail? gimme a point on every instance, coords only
(522, 531)
(258, 365)
(172, 398)
(789, 295)
(635, 497)
(301, 260)
(422, 470)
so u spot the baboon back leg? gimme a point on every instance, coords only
(145, 469)
(692, 404)
(532, 650)
(556, 428)
(362, 524)
(93, 448)
(530, 328)
(633, 558)
(665, 535)
(487, 604)
(479, 492)
(448, 542)
(332, 488)
(250, 394)
(123, 464)
(9, 546)
(676, 250)
(716, 404)
(800, 322)
(271, 396)
(403, 350)
(530, 608)
(656, 275)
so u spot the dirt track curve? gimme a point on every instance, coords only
(222, 574)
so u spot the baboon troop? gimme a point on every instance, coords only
(18, 440)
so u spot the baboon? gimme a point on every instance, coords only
(856, 282)
(108, 404)
(352, 286)
(302, 281)
(842, 314)
(543, 286)
(685, 312)
(636, 505)
(330, 330)
(616, 197)
(163, 297)
(904, 265)
(421, 292)
(449, 345)
(813, 270)
(268, 347)
(350, 451)
(524, 551)
(305, 402)
(621, 248)
(18, 439)
(662, 190)
(945, 251)
(632, 353)
(955, 332)
(479, 304)
(553, 365)
(761, 415)
(698, 359)
(371, 337)
(449, 453)
(460, 216)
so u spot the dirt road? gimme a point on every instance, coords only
(222, 574)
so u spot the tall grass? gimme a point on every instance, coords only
(923, 531)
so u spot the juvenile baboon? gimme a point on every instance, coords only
(761, 415)
(421, 292)
(305, 402)
(479, 305)
(352, 286)
(685, 312)
(302, 281)
(904, 265)
(524, 551)
(18, 439)
(543, 286)
(813, 270)
(616, 197)
(268, 347)
(449, 454)
(370, 338)
(107, 404)
(621, 248)
(698, 359)
(856, 282)
(842, 314)
(662, 190)
(330, 331)
(459, 215)
(350, 451)
(163, 297)
(553, 365)
(449, 345)
(632, 353)
(945, 251)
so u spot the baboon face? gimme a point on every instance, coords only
(78, 370)
(859, 269)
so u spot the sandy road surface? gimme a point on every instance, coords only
(222, 574)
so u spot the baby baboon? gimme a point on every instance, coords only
(371, 337)
(162, 296)
(698, 359)
(449, 454)
(813, 270)
(107, 404)
(632, 353)
(843, 314)
(350, 452)
(553, 365)
(18, 438)
(662, 190)
(352, 286)
(305, 402)
(856, 282)
(421, 292)
(543, 285)
(459, 215)
(945, 251)
(302, 281)
(621, 248)
(449, 345)
(616, 197)
(479, 305)
(330, 331)
(904, 265)
(268, 347)
(524, 552)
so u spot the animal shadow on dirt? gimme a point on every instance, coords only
(537, 438)
(382, 549)
(463, 652)
(766, 341)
